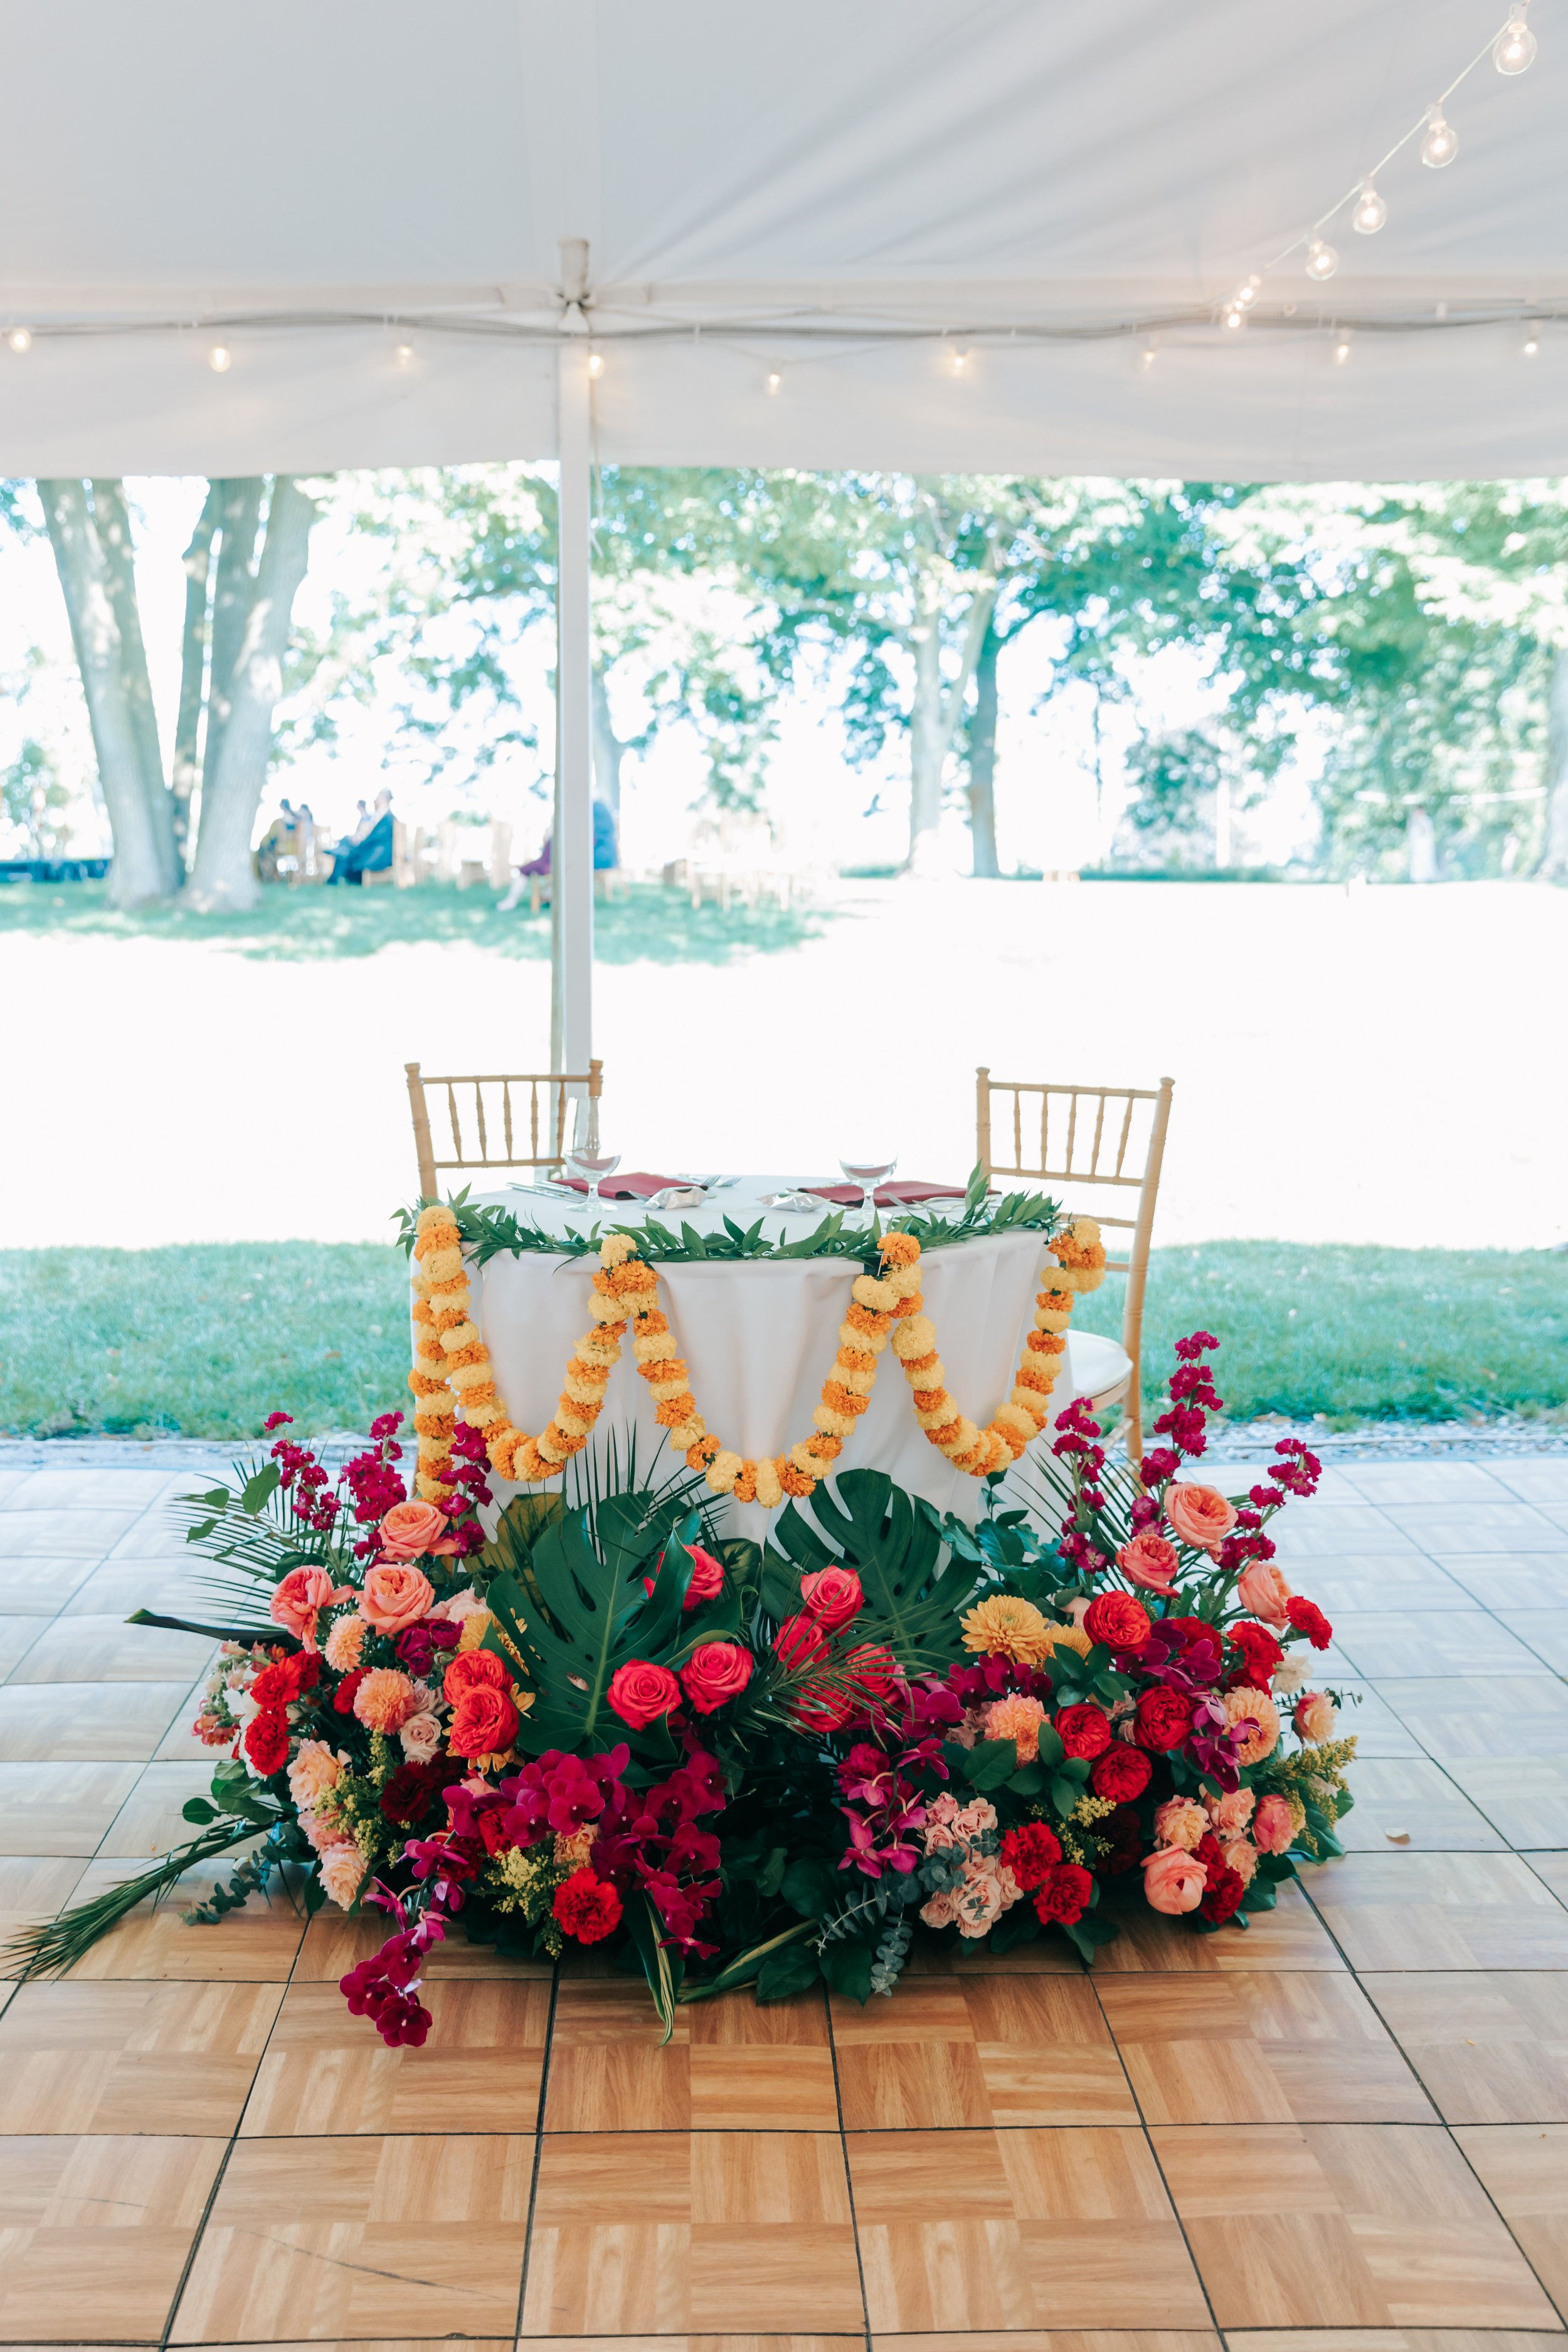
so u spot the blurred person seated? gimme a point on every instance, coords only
(370, 853)
(606, 856)
(277, 842)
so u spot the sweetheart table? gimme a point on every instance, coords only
(760, 1334)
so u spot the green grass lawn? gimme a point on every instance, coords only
(208, 1340)
(306, 925)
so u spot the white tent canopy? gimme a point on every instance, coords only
(364, 203)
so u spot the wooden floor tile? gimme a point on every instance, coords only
(668, 2233)
(79, 1721)
(105, 1649)
(1505, 1581)
(981, 2051)
(1364, 2225)
(1441, 1911)
(1009, 2230)
(1261, 2047)
(416, 2237)
(62, 1534)
(38, 1588)
(60, 1809)
(1412, 1794)
(1525, 1796)
(760, 2068)
(126, 2058)
(334, 1943)
(610, 2069)
(1491, 2048)
(34, 1887)
(1525, 2172)
(848, 2341)
(1384, 1645)
(1291, 1936)
(1058, 2339)
(94, 2233)
(150, 1821)
(1455, 1716)
(326, 2071)
(256, 1944)
(1389, 2339)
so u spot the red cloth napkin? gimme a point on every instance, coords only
(887, 1196)
(635, 1185)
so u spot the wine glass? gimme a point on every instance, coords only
(592, 1165)
(869, 1172)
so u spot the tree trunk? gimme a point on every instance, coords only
(225, 878)
(114, 683)
(197, 561)
(938, 704)
(238, 513)
(113, 526)
(986, 866)
(1553, 862)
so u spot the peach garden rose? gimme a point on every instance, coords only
(1173, 1881)
(1200, 1515)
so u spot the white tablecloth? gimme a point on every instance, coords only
(760, 1338)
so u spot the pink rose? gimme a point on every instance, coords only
(1200, 1515)
(715, 1672)
(1273, 1825)
(342, 1868)
(1241, 1855)
(410, 1530)
(300, 1599)
(1148, 1562)
(832, 1596)
(1314, 1716)
(420, 1737)
(396, 1597)
(1263, 1593)
(1178, 1822)
(1173, 1880)
(640, 1691)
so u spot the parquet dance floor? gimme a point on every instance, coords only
(1344, 2131)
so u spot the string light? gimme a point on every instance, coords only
(1370, 212)
(960, 358)
(1322, 260)
(220, 359)
(772, 383)
(402, 356)
(596, 364)
(20, 338)
(1441, 144)
(1532, 343)
(1235, 317)
(1146, 359)
(1343, 347)
(1513, 51)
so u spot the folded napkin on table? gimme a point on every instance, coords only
(634, 1185)
(887, 1196)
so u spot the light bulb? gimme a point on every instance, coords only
(1513, 51)
(960, 358)
(402, 356)
(772, 383)
(1235, 318)
(1322, 260)
(1247, 295)
(220, 359)
(1341, 350)
(596, 364)
(1369, 212)
(1440, 145)
(1146, 359)
(20, 338)
(1531, 345)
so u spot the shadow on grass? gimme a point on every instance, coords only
(647, 924)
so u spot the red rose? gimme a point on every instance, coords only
(874, 1668)
(1121, 1774)
(707, 1580)
(412, 1790)
(266, 1741)
(832, 1596)
(820, 1707)
(1163, 1718)
(1064, 1897)
(1084, 1730)
(588, 1907)
(799, 1641)
(344, 1702)
(1030, 1851)
(484, 1722)
(1118, 1620)
(1222, 1896)
(1260, 1653)
(1308, 1619)
(715, 1672)
(639, 1691)
(475, 1670)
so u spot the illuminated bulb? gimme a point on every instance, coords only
(1247, 295)
(402, 356)
(1322, 260)
(960, 358)
(1440, 145)
(1369, 211)
(1513, 51)
(220, 359)
(596, 364)
(1146, 359)
(20, 338)
(1532, 343)
(1235, 318)
(772, 383)
(1341, 350)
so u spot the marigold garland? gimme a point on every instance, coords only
(452, 1368)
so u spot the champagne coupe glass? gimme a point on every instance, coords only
(867, 1171)
(592, 1165)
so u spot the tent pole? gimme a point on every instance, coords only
(571, 857)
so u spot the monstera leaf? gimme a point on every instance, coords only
(895, 1546)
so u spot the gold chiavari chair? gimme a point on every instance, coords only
(488, 1129)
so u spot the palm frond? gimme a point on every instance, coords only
(50, 1947)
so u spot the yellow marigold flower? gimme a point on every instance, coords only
(879, 1297)
(1005, 1627)
(615, 1247)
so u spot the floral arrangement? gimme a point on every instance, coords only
(594, 1719)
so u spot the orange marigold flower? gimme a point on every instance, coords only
(826, 1448)
(745, 1486)
(793, 1481)
(948, 1431)
(667, 1368)
(899, 1249)
(927, 1400)
(864, 1318)
(1047, 1343)
(913, 1304)
(698, 1457)
(913, 1364)
(675, 1410)
(855, 1360)
(842, 1400)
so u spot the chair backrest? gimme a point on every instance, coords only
(491, 1127)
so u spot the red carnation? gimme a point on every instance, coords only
(412, 1790)
(1030, 1851)
(1260, 1653)
(1163, 1718)
(344, 1702)
(1121, 1774)
(1064, 1896)
(1308, 1619)
(588, 1907)
(267, 1740)
(1222, 1896)
(1084, 1730)
(1118, 1620)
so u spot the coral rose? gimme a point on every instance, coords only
(1148, 1562)
(1163, 1719)
(1118, 1620)
(707, 1580)
(1200, 1515)
(1179, 1821)
(1244, 1702)
(484, 1722)
(833, 1595)
(1263, 1593)
(1173, 1881)
(639, 1691)
(342, 1869)
(1231, 1812)
(385, 1699)
(394, 1596)
(1273, 1825)
(474, 1670)
(299, 1600)
(1084, 1730)
(715, 1672)
(1121, 1774)
(1314, 1716)
(412, 1530)
(314, 1771)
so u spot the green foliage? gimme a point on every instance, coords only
(893, 1541)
